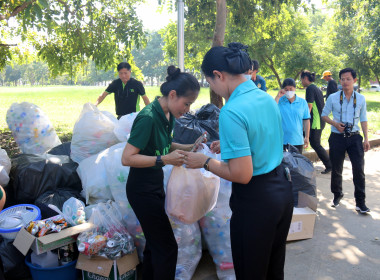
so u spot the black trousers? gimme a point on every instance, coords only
(354, 147)
(261, 215)
(146, 195)
(315, 143)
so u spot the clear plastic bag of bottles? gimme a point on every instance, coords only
(109, 238)
(31, 128)
(189, 248)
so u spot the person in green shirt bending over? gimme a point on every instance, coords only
(127, 92)
(148, 149)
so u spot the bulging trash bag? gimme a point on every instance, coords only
(191, 193)
(13, 261)
(189, 127)
(188, 238)
(124, 126)
(93, 132)
(302, 173)
(116, 173)
(55, 197)
(215, 227)
(93, 175)
(107, 227)
(34, 175)
(61, 150)
(103, 176)
(5, 168)
(31, 128)
(133, 226)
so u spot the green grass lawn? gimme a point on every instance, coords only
(63, 104)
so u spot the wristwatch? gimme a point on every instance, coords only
(159, 162)
(205, 166)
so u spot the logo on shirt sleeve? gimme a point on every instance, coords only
(132, 90)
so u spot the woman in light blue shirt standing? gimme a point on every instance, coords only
(295, 116)
(251, 149)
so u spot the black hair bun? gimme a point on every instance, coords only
(237, 46)
(173, 73)
(237, 58)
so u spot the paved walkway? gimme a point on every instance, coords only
(346, 245)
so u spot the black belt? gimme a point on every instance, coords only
(347, 135)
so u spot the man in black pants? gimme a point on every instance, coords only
(314, 99)
(347, 107)
(331, 84)
(127, 92)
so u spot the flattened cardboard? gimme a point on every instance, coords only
(303, 220)
(25, 241)
(126, 264)
(95, 265)
(102, 266)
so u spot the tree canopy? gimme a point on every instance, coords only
(66, 33)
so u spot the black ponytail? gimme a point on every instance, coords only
(182, 83)
(233, 60)
(309, 75)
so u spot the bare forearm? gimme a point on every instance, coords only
(328, 120)
(183, 147)
(365, 130)
(146, 100)
(306, 128)
(101, 98)
(139, 161)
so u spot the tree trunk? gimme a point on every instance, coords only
(360, 81)
(218, 40)
(298, 74)
(269, 62)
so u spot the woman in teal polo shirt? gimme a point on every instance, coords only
(251, 149)
(148, 149)
(295, 116)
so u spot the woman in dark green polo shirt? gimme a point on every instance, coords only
(148, 149)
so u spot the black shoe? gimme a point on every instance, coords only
(337, 198)
(326, 171)
(362, 208)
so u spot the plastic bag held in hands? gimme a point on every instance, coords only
(191, 193)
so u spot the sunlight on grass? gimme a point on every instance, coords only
(63, 104)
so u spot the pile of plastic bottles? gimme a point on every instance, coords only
(189, 249)
(31, 128)
(215, 227)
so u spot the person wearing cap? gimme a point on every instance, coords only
(295, 116)
(332, 86)
(348, 107)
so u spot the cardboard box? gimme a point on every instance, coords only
(25, 241)
(303, 220)
(103, 269)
